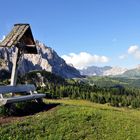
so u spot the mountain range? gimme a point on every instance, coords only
(102, 71)
(110, 71)
(46, 59)
(132, 73)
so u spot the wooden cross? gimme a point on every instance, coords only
(22, 39)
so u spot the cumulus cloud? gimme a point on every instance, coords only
(3, 37)
(135, 51)
(84, 59)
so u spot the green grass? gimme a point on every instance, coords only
(76, 120)
(109, 81)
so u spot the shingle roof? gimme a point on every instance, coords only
(21, 33)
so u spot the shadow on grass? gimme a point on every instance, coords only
(26, 108)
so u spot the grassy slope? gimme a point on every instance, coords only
(75, 120)
(111, 81)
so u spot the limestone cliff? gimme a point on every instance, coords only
(46, 59)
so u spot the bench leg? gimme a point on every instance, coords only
(40, 101)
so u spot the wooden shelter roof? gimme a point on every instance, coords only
(20, 36)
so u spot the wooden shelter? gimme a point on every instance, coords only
(22, 39)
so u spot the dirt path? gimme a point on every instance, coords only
(4, 120)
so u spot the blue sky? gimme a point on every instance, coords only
(84, 32)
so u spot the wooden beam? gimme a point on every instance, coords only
(14, 68)
(31, 45)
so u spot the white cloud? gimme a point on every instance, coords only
(122, 56)
(84, 59)
(135, 51)
(3, 37)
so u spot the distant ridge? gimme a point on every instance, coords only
(102, 71)
(133, 73)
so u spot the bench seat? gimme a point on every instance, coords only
(16, 99)
(20, 89)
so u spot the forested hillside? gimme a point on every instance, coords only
(115, 93)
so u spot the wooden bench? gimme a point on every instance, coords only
(27, 92)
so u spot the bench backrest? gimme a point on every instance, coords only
(17, 88)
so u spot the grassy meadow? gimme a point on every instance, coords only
(75, 120)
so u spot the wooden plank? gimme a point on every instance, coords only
(9, 37)
(16, 89)
(22, 30)
(21, 98)
(15, 35)
(14, 68)
(30, 46)
(12, 34)
(18, 34)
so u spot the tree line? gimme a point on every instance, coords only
(57, 87)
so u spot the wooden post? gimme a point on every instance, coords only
(14, 68)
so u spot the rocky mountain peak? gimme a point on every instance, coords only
(103, 71)
(46, 59)
(115, 71)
